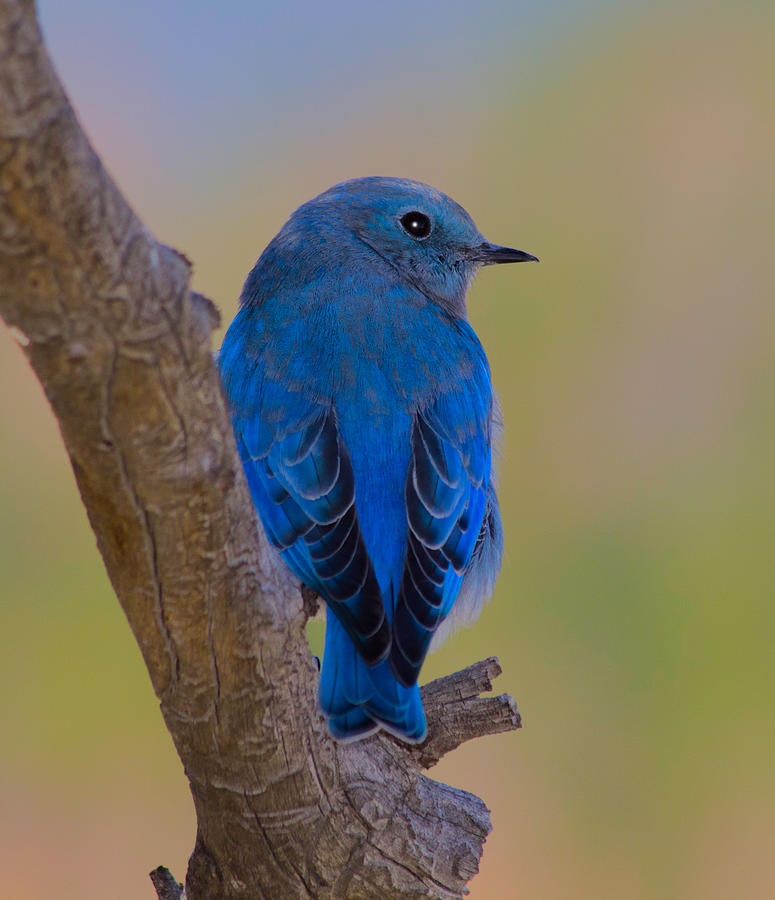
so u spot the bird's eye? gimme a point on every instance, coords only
(417, 224)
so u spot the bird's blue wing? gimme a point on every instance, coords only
(301, 481)
(446, 492)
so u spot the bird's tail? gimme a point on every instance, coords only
(358, 699)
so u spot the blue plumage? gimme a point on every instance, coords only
(363, 412)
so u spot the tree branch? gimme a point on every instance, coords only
(166, 885)
(456, 713)
(122, 348)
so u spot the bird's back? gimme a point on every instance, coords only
(380, 358)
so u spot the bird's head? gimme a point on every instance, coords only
(423, 236)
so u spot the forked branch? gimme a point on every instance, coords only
(122, 348)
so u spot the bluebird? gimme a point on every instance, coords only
(364, 415)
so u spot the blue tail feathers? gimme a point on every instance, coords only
(358, 699)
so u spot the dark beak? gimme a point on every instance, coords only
(488, 254)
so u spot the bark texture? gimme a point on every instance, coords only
(122, 347)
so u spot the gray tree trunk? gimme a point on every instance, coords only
(122, 348)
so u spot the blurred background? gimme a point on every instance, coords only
(630, 145)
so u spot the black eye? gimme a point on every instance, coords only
(417, 224)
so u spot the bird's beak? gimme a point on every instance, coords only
(488, 254)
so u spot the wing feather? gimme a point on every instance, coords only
(301, 480)
(445, 497)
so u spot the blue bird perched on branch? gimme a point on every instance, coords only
(364, 416)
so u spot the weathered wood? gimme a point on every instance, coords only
(456, 713)
(167, 887)
(122, 347)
